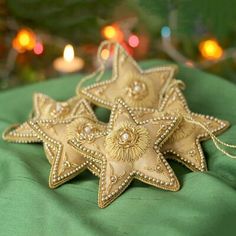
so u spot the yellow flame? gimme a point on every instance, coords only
(68, 53)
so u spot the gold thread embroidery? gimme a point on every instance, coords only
(67, 165)
(60, 110)
(113, 178)
(127, 142)
(137, 90)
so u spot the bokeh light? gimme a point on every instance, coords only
(113, 32)
(24, 40)
(105, 53)
(210, 49)
(165, 32)
(133, 41)
(38, 49)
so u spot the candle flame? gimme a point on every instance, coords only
(68, 53)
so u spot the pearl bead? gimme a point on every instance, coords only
(125, 137)
(137, 88)
(87, 129)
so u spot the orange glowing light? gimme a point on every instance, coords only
(105, 53)
(112, 32)
(210, 49)
(109, 32)
(24, 40)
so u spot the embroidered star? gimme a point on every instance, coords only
(129, 149)
(184, 143)
(54, 133)
(44, 107)
(138, 88)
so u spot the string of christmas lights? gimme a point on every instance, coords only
(210, 49)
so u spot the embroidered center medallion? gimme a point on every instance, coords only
(128, 142)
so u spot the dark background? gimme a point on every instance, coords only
(183, 25)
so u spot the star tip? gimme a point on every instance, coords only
(175, 188)
(227, 124)
(102, 205)
(38, 95)
(178, 187)
(53, 185)
(203, 169)
(6, 133)
(5, 136)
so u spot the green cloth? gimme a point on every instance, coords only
(205, 205)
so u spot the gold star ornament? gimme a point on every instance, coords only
(54, 133)
(138, 88)
(44, 107)
(129, 149)
(184, 143)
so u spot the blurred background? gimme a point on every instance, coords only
(46, 39)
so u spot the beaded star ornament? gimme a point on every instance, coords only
(54, 133)
(184, 143)
(129, 149)
(138, 88)
(44, 107)
(151, 120)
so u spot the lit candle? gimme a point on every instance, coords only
(68, 63)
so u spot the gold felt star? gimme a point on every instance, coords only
(138, 88)
(129, 149)
(54, 133)
(44, 107)
(184, 143)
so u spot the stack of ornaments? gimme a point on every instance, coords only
(150, 121)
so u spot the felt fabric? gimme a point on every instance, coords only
(205, 204)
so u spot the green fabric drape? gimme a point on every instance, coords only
(205, 205)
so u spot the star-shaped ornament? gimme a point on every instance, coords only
(129, 150)
(44, 107)
(184, 143)
(66, 161)
(138, 88)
